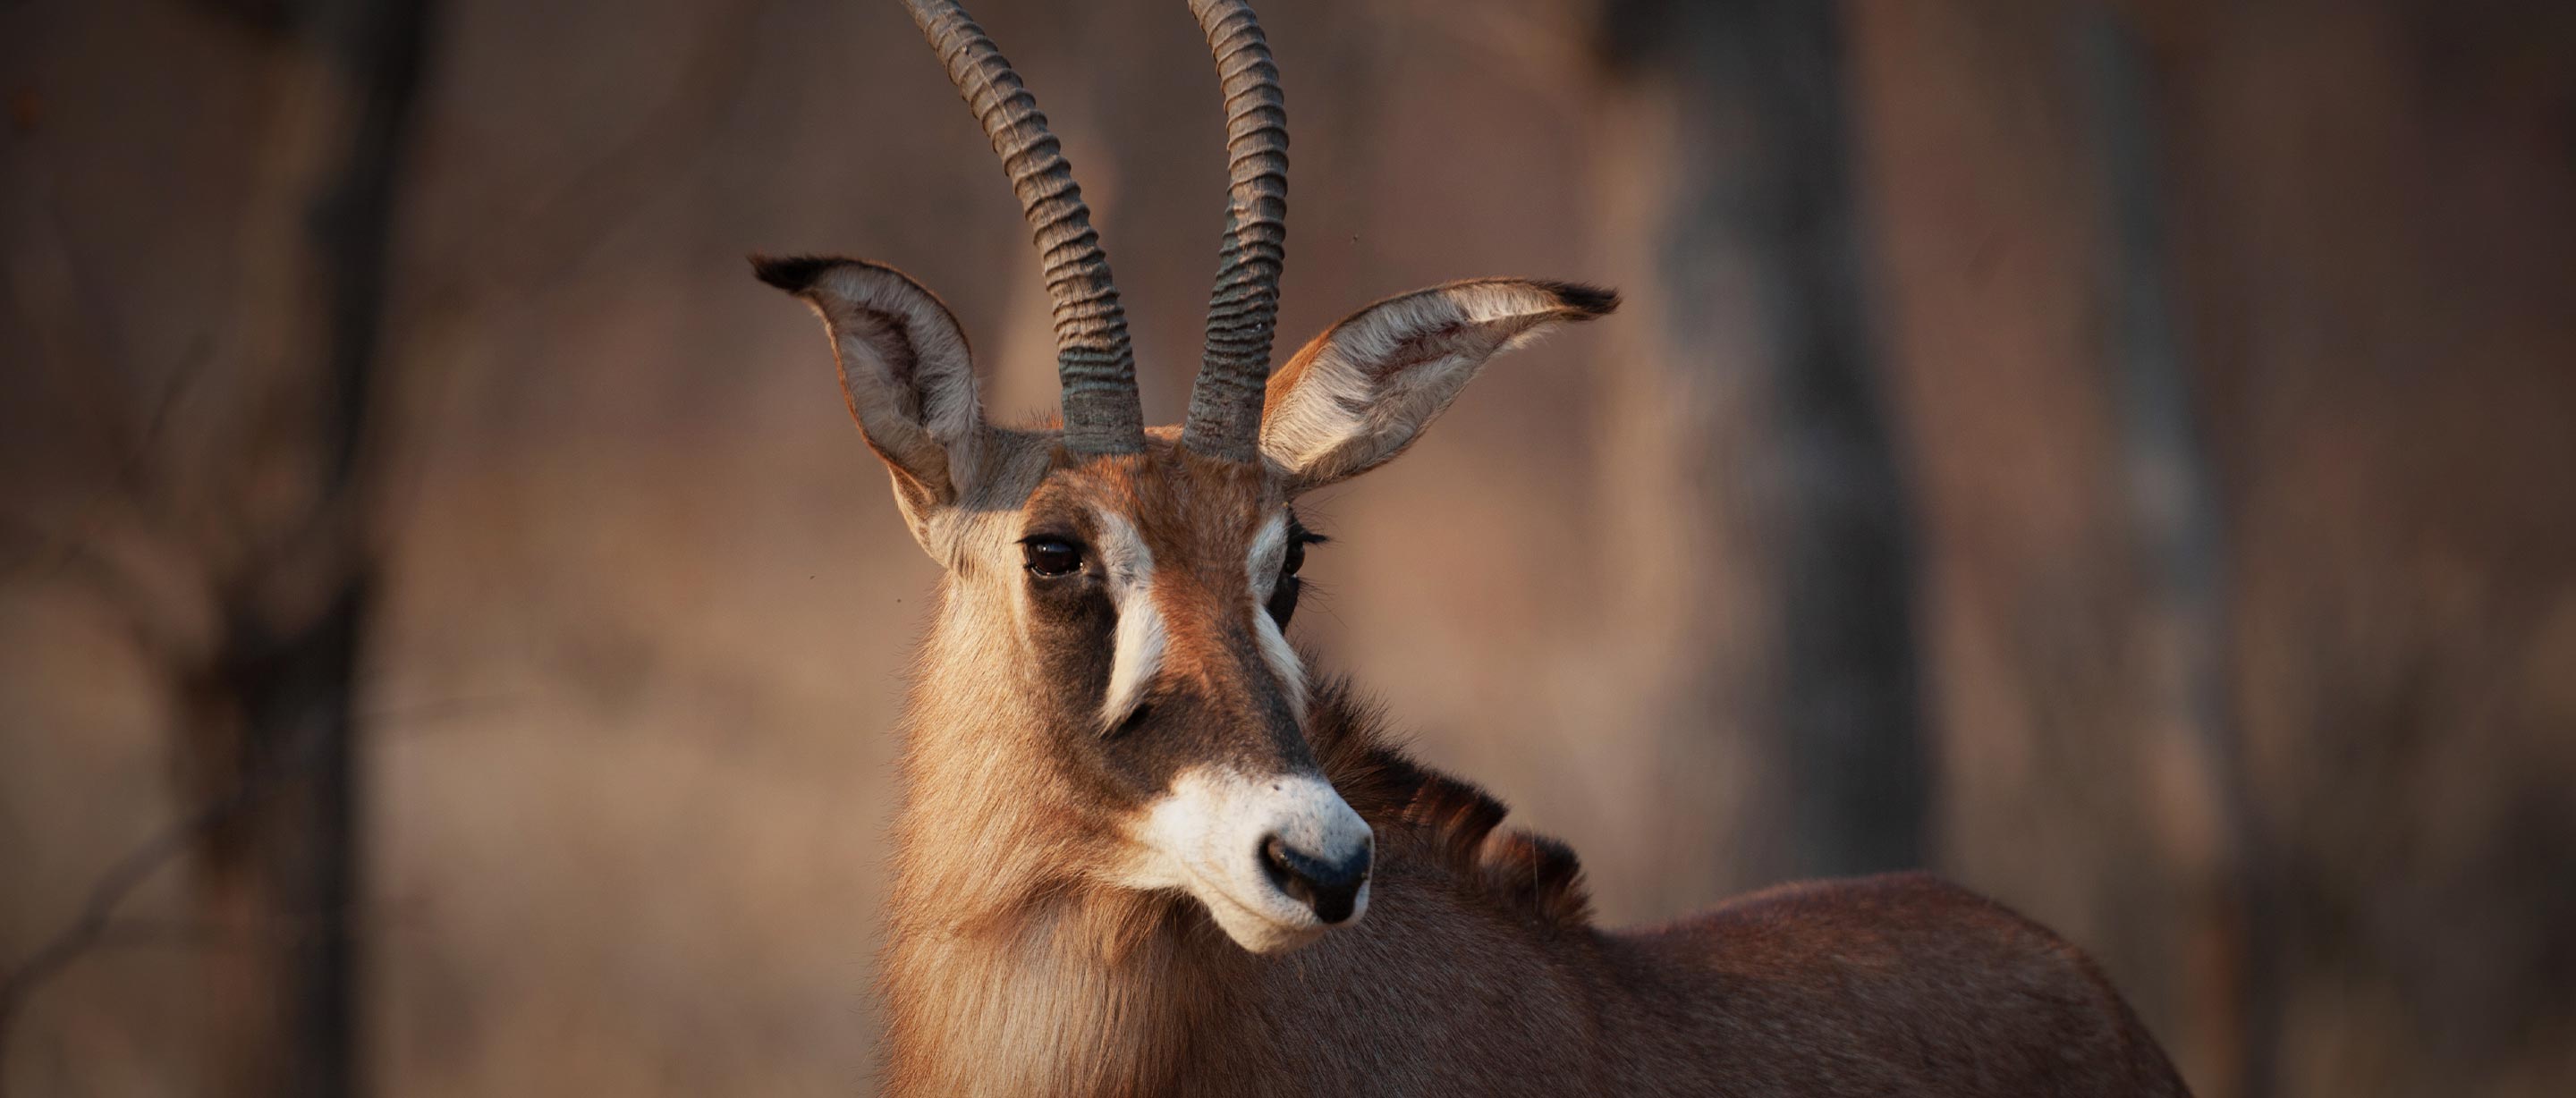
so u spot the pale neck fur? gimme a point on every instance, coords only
(1003, 970)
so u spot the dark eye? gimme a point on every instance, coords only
(1298, 539)
(1051, 558)
(1283, 596)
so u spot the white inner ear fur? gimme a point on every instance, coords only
(1339, 400)
(1269, 552)
(1205, 836)
(1128, 570)
(904, 366)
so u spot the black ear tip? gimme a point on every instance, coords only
(1591, 301)
(794, 274)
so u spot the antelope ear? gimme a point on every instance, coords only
(1364, 390)
(905, 369)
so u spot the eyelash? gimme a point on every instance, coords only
(1295, 556)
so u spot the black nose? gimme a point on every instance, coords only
(1329, 888)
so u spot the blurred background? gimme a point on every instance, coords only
(2118, 455)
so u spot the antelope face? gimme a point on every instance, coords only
(1152, 591)
(1128, 589)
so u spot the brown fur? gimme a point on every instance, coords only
(1105, 699)
(1477, 971)
(1022, 957)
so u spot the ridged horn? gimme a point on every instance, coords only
(1094, 362)
(1243, 310)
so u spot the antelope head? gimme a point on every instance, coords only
(1121, 590)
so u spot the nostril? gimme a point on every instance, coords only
(1276, 863)
(1330, 889)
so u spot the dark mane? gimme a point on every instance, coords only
(1526, 873)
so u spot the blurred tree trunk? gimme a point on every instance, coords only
(1786, 464)
(270, 706)
(2374, 240)
(2178, 530)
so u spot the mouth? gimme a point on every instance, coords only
(1265, 929)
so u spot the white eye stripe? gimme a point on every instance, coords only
(1127, 567)
(1283, 662)
(1269, 550)
(1125, 562)
(1139, 657)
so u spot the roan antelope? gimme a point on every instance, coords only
(1142, 853)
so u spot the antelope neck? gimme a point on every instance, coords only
(1005, 967)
